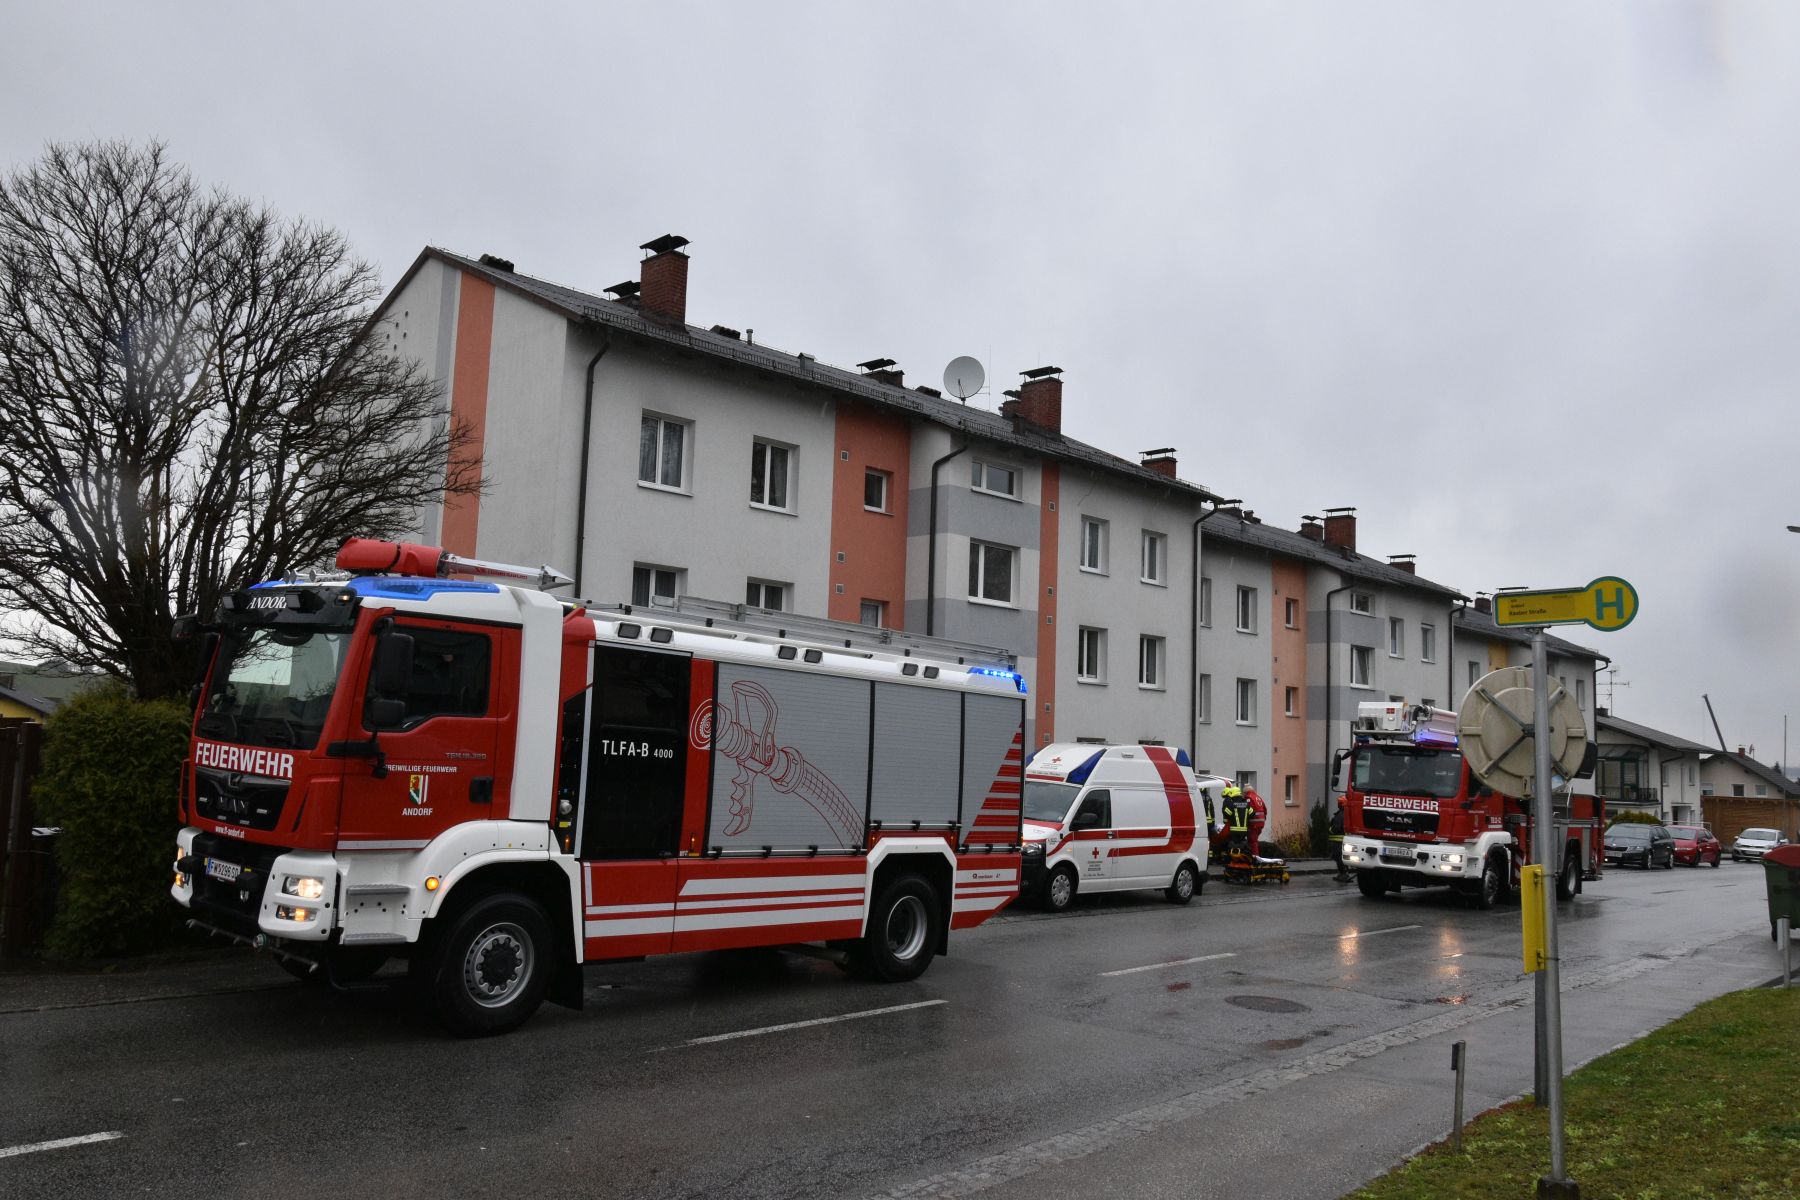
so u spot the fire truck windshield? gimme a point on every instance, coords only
(271, 686)
(1408, 771)
(1046, 801)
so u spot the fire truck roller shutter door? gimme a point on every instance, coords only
(993, 765)
(914, 778)
(790, 760)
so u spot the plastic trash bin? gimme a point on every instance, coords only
(1781, 871)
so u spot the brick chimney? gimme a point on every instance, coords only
(1340, 528)
(1484, 604)
(1402, 562)
(883, 370)
(1310, 528)
(1161, 461)
(663, 291)
(1040, 399)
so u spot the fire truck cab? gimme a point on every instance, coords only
(499, 786)
(1416, 816)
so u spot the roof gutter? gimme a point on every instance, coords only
(587, 443)
(1330, 653)
(931, 541)
(1194, 623)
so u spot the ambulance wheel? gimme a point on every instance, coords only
(488, 971)
(1568, 879)
(1371, 883)
(1184, 885)
(902, 933)
(1059, 889)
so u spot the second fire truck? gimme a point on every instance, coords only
(1416, 816)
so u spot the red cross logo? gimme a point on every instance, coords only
(1096, 852)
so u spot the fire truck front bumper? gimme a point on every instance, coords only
(255, 891)
(1440, 862)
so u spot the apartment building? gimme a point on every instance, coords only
(1647, 770)
(652, 458)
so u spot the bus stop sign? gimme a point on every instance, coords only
(1607, 603)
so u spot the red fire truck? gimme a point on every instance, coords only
(1416, 816)
(501, 786)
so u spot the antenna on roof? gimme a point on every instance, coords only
(964, 377)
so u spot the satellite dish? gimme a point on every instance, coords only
(964, 377)
(1495, 728)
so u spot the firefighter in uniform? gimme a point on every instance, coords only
(1237, 820)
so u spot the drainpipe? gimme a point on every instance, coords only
(587, 426)
(931, 545)
(1330, 747)
(1450, 653)
(1194, 624)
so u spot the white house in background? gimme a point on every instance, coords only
(1647, 770)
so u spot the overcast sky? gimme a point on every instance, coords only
(1521, 282)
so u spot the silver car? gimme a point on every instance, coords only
(1752, 844)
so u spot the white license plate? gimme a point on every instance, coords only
(223, 870)
(1396, 856)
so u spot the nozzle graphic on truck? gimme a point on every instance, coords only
(499, 787)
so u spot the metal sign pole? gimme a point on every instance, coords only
(1543, 850)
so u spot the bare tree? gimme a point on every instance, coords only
(190, 401)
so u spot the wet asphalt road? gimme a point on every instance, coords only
(1304, 1051)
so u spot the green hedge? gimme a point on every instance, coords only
(1633, 817)
(112, 774)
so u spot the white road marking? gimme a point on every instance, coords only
(59, 1143)
(855, 1016)
(1376, 932)
(995, 1169)
(1179, 962)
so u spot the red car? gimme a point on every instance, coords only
(1695, 845)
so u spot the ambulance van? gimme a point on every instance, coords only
(1115, 819)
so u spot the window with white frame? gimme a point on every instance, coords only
(1093, 545)
(1290, 701)
(1246, 609)
(654, 583)
(1427, 642)
(1362, 602)
(873, 614)
(1090, 654)
(769, 473)
(991, 477)
(1247, 780)
(760, 593)
(1150, 662)
(1205, 602)
(1290, 791)
(1151, 558)
(1203, 700)
(991, 572)
(1290, 613)
(1396, 638)
(875, 490)
(662, 452)
(1581, 694)
(1474, 672)
(1362, 666)
(1246, 702)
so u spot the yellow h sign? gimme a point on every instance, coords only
(1607, 603)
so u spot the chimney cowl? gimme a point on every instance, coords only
(496, 262)
(1162, 461)
(1311, 529)
(1484, 604)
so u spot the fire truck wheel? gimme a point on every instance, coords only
(306, 972)
(1184, 885)
(488, 971)
(1059, 889)
(1371, 883)
(1492, 886)
(903, 932)
(1568, 879)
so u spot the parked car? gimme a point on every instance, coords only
(1752, 844)
(1695, 845)
(1633, 844)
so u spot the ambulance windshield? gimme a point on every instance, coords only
(271, 686)
(1048, 801)
(1409, 771)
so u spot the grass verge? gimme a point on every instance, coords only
(1705, 1107)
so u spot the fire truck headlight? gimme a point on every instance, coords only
(1454, 860)
(304, 886)
(285, 913)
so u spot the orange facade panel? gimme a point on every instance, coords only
(468, 402)
(870, 474)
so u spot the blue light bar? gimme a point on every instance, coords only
(389, 587)
(1428, 737)
(1182, 759)
(1001, 673)
(1080, 774)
